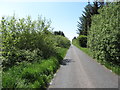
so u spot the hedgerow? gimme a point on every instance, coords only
(30, 52)
(82, 39)
(24, 39)
(62, 41)
(104, 35)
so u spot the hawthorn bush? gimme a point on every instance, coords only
(31, 53)
(104, 35)
(27, 40)
(62, 41)
(19, 35)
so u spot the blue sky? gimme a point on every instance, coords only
(64, 15)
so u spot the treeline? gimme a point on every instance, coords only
(31, 52)
(102, 37)
(85, 20)
(84, 23)
(59, 33)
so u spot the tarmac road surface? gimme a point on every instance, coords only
(78, 70)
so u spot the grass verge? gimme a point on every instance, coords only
(86, 50)
(32, 75)
(113, 67)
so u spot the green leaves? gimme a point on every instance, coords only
(29, 52)
(62, 41)
(25, 40)
(24, 34)
(103, 38)
(82, 39)
(85, 20)
(32, 75)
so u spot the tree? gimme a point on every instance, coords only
(59, 33)
(74, 38)
(84, 22)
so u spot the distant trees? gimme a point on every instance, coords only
(84, 23)
(61, 40)
(74, 38)
(59, 33)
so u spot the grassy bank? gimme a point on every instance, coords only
(32, 75)
(86, 50)
(113, 67)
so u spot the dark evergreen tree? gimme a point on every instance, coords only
(84, 22)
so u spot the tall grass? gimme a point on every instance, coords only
(32, 75)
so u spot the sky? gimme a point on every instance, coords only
(64, 15)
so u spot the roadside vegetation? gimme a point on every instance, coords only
(103, 36)
(84, 49)
(31, 52)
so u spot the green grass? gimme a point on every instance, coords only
(86, 50)
(29, 75)
(62, 51)
(113, 67)
(32, 75)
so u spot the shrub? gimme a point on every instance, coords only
(24, 39)
(33, 75)
(104, 35)
(27, 40)
(29, 52)
(82, 39)
(14, 58)
(62, 41)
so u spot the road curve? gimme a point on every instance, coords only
(81, 71)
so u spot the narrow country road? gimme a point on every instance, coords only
(81, 71)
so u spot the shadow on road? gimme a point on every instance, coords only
(66, 61)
